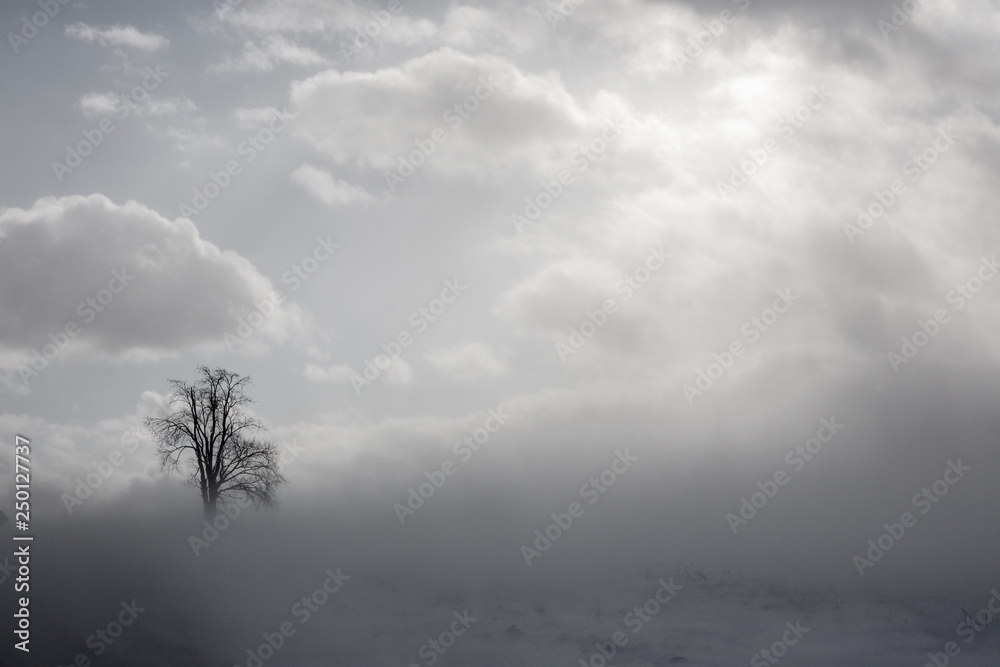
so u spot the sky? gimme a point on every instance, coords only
(741, 254)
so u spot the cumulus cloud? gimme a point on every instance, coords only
(124, 282)
(273, 51)
(484, 112)
(94, 105)
(331, 191)
(361, 35)
(285, 16)
(298, 19)
(117, 35)
(91, 465)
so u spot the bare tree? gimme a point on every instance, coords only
(213, 427)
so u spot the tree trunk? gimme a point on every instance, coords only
(211, 501)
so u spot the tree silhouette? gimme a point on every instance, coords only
(213, 426)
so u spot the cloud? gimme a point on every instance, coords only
(117, 35)
(557, 294)
(99, 104)
(471, 361)
(398, 372)
(273, 50)
(338, 373)
(254, 118)
(329, 190)
(300, 17)
(487, 114)
(94, 105)
(511, 28)
(121, 281)
(74, 451)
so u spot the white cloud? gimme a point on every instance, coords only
(372, 118)
(329, 190)
(93, 105)
(512, 28)
(117, 35)
(338, 373)
(251, 119)
(556, 295)
(471, 361)
(128, 282)
(99, 104)
(302, 18)
(292, 16)
(399, 373)
(272, 51)
(190, 141)
(509, 28)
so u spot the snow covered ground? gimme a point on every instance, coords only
(325, 600)
(705, 623)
